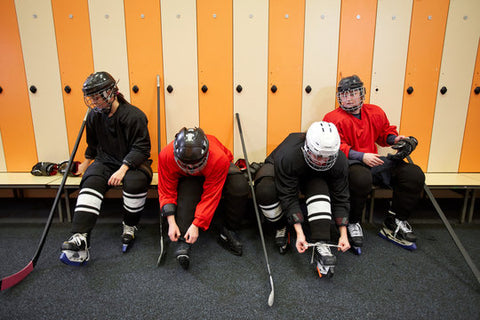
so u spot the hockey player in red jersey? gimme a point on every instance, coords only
(361, 126)
(195, 171)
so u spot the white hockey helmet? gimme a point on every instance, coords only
(322, 143)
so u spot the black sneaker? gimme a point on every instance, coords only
(230, 241)
(400, 228)
(182, 253)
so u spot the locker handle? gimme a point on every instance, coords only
(410, 90)
(1, 89)
(308, 89)
(135, 88)
(443, 90)
(274, 88)
(169, 89)
(67, 89)
(33, 89)
(239, 88)
(477, 90)
(204, 88)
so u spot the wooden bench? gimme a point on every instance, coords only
(468, 183)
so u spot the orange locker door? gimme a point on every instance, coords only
(16, 124)
(469, 159)
(144, 43)
(427, 33)
(285, 63)
(215, 64)
(74, 46)
(357, 33)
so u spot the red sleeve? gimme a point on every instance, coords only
(343, 130)
(168, 174)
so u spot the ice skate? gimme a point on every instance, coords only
(399, 232)
(355, 236)
(282, 240)
(229, 240)
(75, 250)
(324, 259)
(128, 236)
(182, 253)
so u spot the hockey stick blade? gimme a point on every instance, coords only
(250, 182)
(452, 233)
(13, 279)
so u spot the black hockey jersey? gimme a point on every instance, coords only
(291, 169)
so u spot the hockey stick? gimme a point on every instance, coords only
(465, 254)
(13, 279)
(271, 296)
(162, 242)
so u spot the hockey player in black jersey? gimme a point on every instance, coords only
(309, 163)
(118, 151)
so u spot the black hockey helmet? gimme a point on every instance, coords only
(98, 90)
(347, 88)
(190, 149)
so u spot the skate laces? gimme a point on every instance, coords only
(129, 229)
(77, 239)
(321, 248)
(404, 226)
(355, 230)
(280, 233)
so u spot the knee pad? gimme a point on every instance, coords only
(265, 191)
(319, 208)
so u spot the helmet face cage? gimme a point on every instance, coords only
(100, 101)
(343, 96)
(190, 149)
(322, 143)
(99, 91)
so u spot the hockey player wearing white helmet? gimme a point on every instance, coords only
(361, 127)
(309, 163)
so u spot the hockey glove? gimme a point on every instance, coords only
(404, 148)
(44, 169)
(62, 167)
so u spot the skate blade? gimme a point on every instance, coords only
(64, 259)
(184, 261)
(124, 248)
(324, 271)
(357, 250)
(411, 246)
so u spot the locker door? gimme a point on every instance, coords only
(390, 56)
(18, 142)
(320, 58)
(144, 42)
(458, 63)
(37, 34)
(3, 165)
(215, 75)
(357, 32)
(74, 45)
(250, 65)
(423, 63)
(107, 23)
(285, 51)
(470, 151)
(179, 36)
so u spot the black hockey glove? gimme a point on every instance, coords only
(404, 147)
(44, 169)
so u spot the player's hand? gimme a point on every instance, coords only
(192, 234)
(398, 138)
(117, 177)
(83, 166)
(343, 244)
(372, 159)
(173, 231)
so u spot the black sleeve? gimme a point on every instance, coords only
(339, 190)
(91, 136)
(138, 139)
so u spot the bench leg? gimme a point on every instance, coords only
(67, 206)
(472, 206)
(464, 207)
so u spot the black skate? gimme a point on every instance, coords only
(399, 232)
(282, 239)
(75, 250)
(183, 253)
(128, 237)
(355, 236)
(229, 240)
(324, 259)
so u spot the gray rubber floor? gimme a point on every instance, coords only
(385, 282)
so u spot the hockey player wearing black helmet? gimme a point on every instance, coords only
(195, 176)
(118, 151)
(312, 164)
(368, 168)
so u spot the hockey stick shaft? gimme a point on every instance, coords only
(13, 279)
(250, 182)
(452, 233)
(162, 244)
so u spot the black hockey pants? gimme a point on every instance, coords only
(233, 204)
(405, 179)
(93, 187)
(316, 191)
